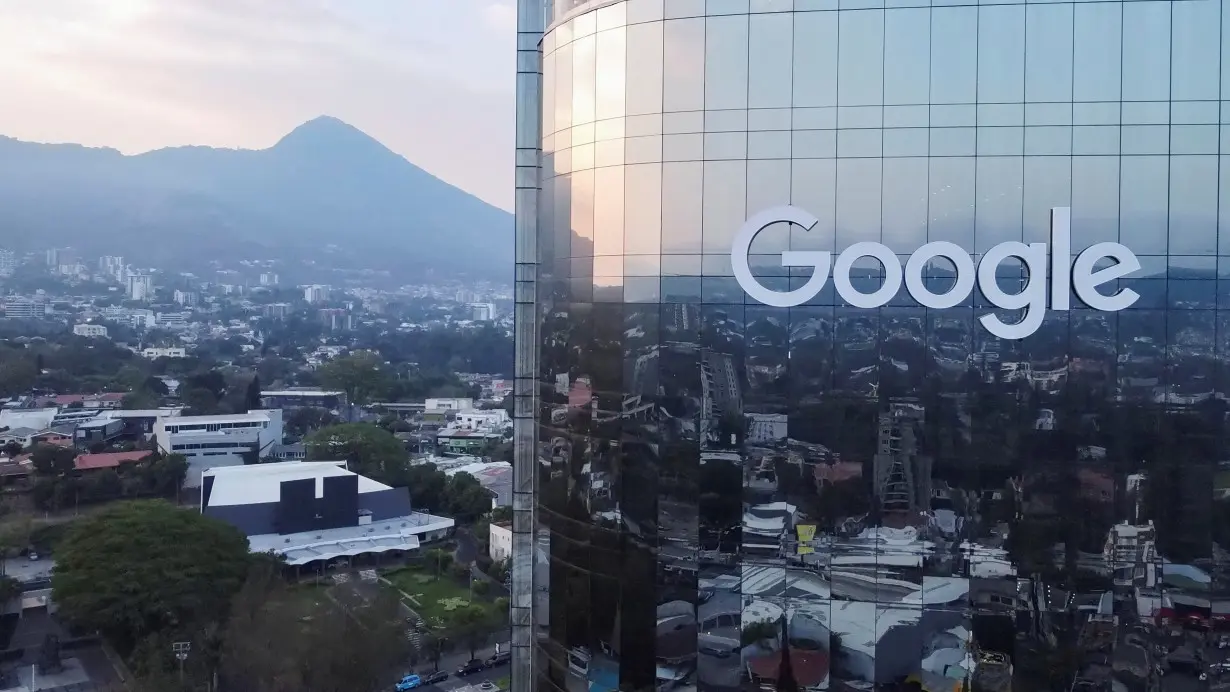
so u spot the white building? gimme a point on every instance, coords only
(140, 287)
(491, 420)
(90, 330)
(450, 404)
(154, 352)
(316, 512)
(18, 307)
(269, 279)
(8, 263)
(186, 298)
(315, 293)
(216, 441)
(482, 312)
(111, 265)
(172, 320)
(500, 542)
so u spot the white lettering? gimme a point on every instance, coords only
(1065, 276)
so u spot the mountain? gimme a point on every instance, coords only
(325, 194)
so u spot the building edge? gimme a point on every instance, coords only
(531, 20)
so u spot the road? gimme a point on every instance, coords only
(453, 661)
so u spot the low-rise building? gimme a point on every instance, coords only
(316, 512)
(154, 353)
(500, 541)
(217, 441)
(90, 330)
(288, 399)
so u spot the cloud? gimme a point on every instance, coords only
(429, 79)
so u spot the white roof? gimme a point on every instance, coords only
(261, 483)
(36, 418)
(143, 413)
(400, 533)
(301, 392)
(230, 418)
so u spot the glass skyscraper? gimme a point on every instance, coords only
(880, 337)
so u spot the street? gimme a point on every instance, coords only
(451, 662)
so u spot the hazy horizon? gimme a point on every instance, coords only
(432, 82)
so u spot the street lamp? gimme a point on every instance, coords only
(181, 649)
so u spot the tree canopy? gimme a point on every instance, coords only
(361, 375)
(137, 568)
(371, 450)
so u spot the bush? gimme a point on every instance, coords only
(481, 587)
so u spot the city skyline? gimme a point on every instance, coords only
(150, 76)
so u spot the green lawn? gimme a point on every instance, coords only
(435, 597)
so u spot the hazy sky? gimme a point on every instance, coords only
(431, 79)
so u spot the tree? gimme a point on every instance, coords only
(17, 376)
(139, 400)
(370, 449)
(199, 402)
(301, 421)
(360, 375)
(467, 498)
(12, 448)
(280, 639)
(52, 460)
(252, 401)
(471, 625)
(156, 386)
(141, 567)
(10, 588)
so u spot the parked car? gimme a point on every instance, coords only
(434, 677)
(409, 682)
(473, 666)
(498, 659)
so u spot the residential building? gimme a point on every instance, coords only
(276, 310)
(140, 287)
(8, 263)
(269, 279)
(90, 330)
(482, 312)
(312, 514)
(315, 293)
(187, 299)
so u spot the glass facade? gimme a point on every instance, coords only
(910, 499)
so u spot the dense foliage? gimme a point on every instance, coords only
(140, 568)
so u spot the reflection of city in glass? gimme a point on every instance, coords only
(891, 497)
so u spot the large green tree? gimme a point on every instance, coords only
(138, 568)
(370, 449)
(360, 375)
